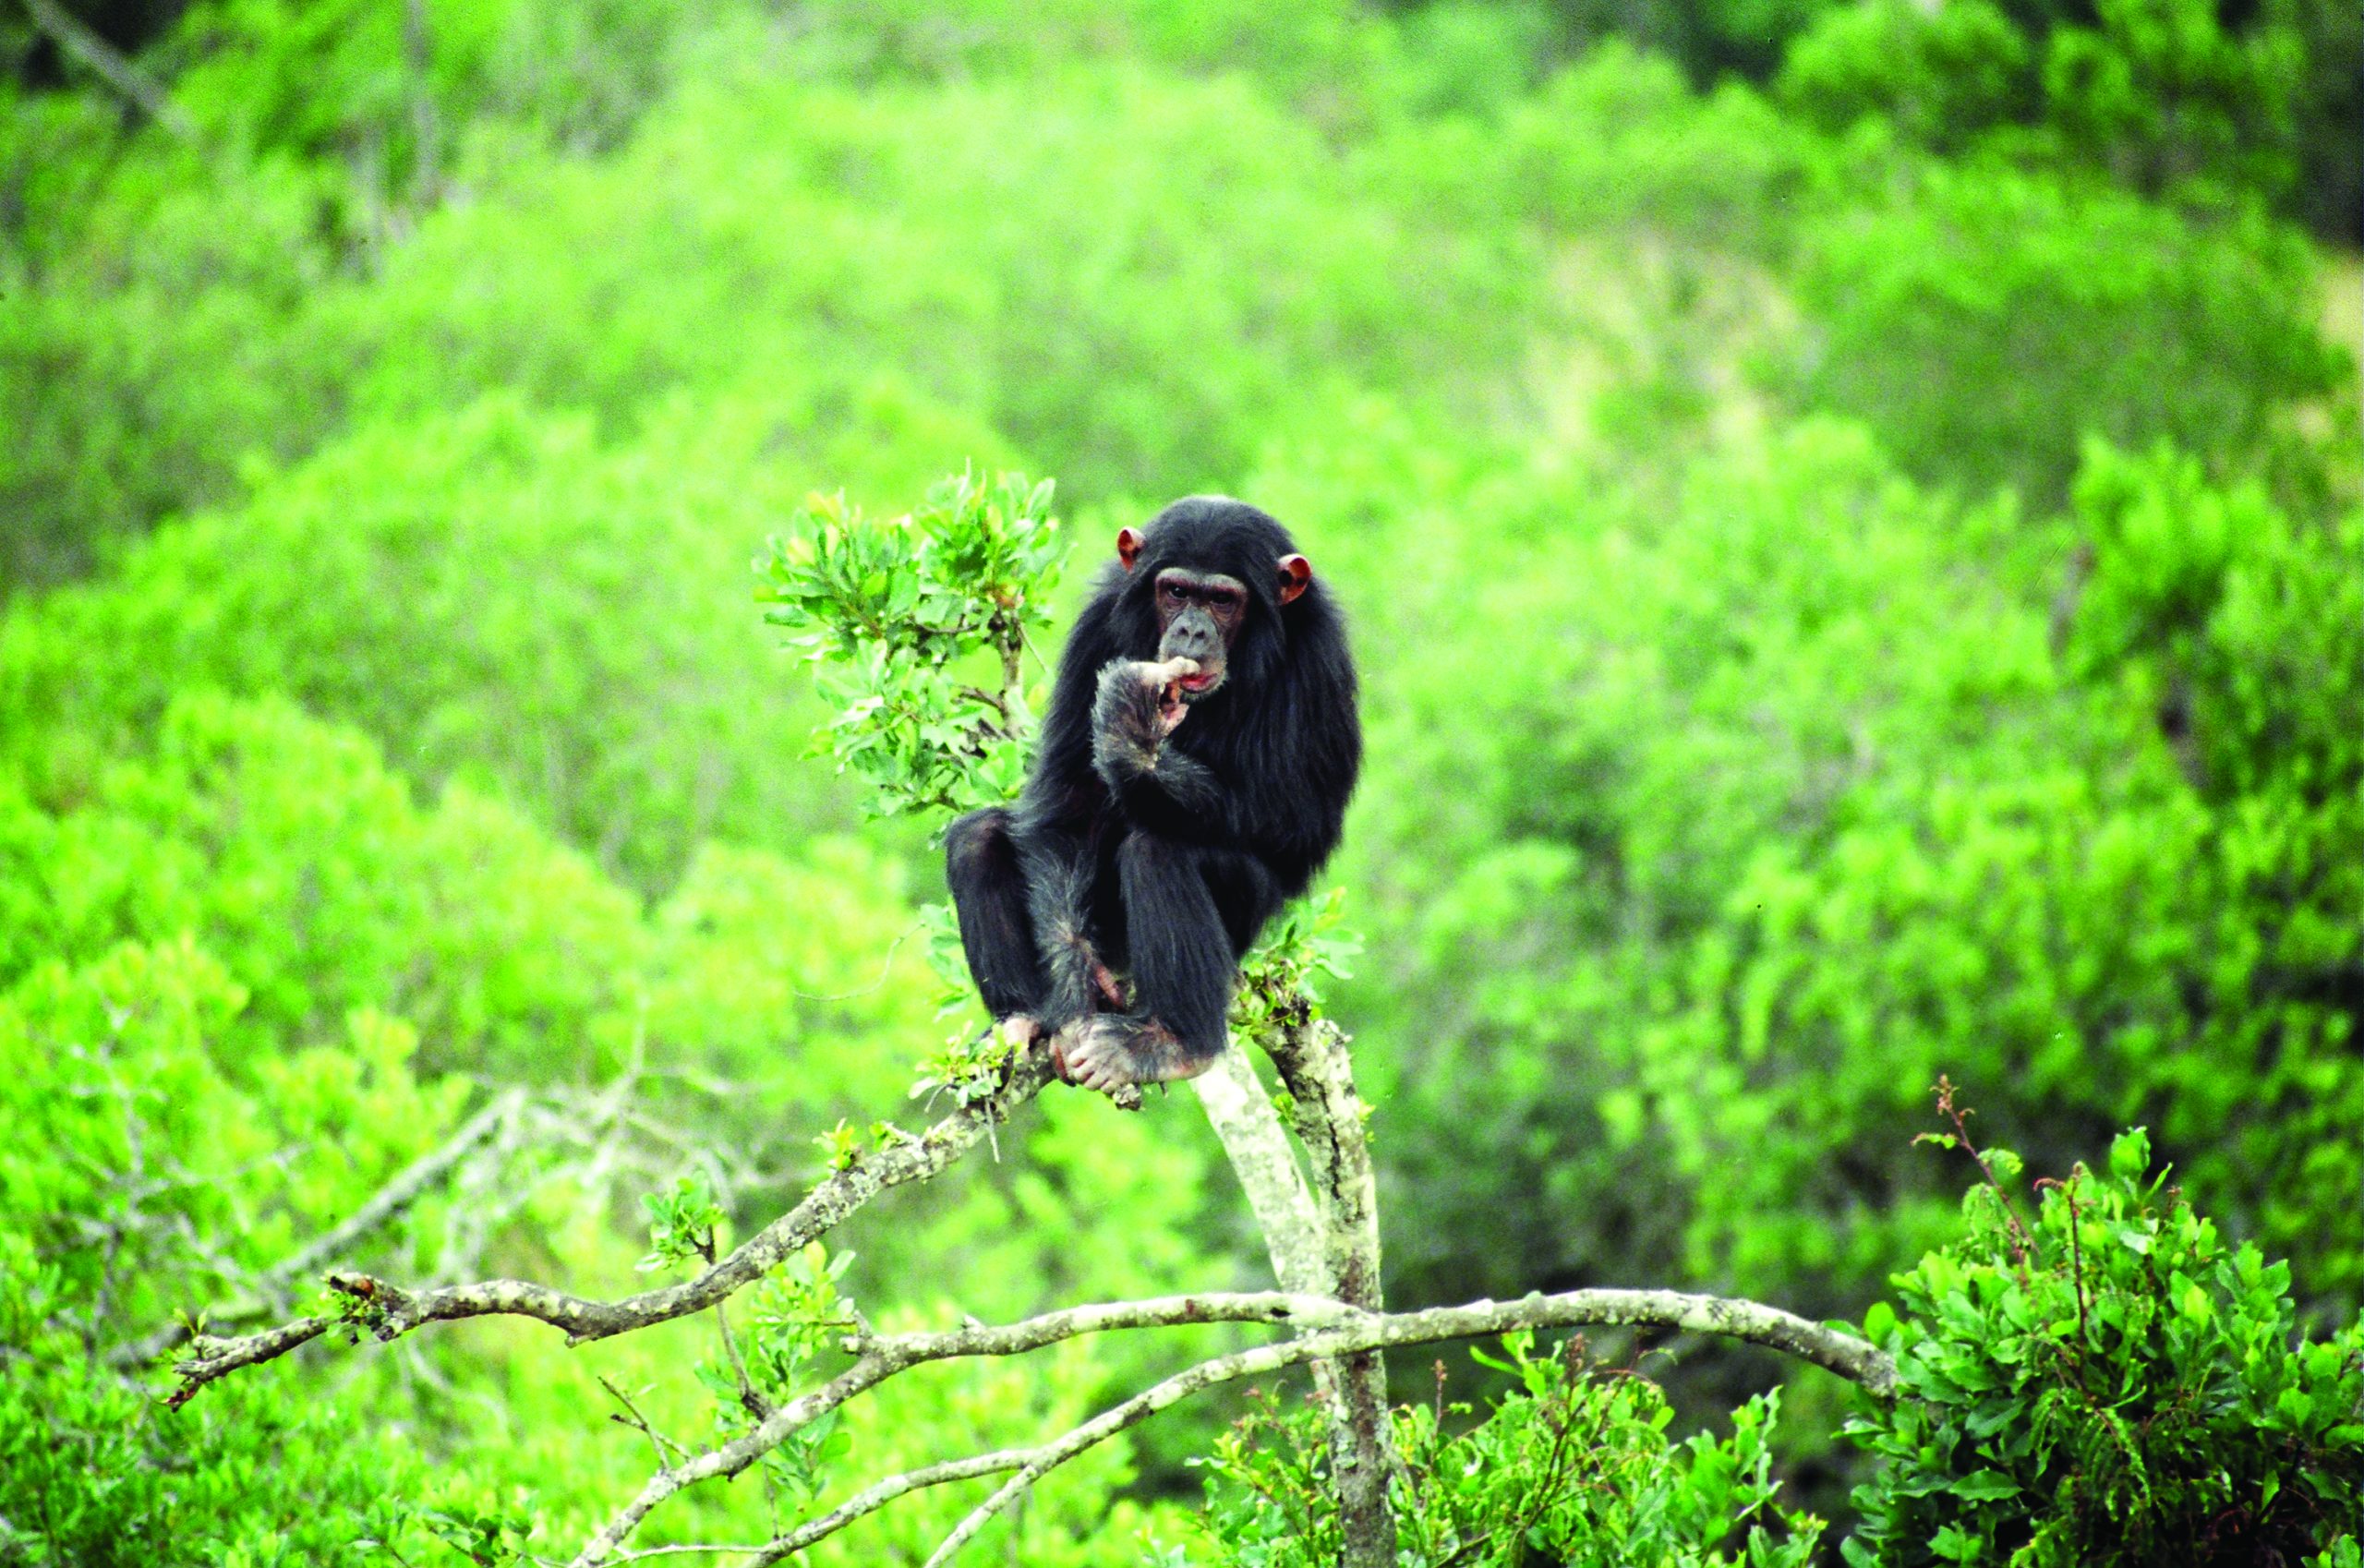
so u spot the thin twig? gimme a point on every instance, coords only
(886, 968)
(78, 43)
(754, 1404)
(666, 1449)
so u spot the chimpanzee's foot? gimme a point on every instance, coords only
(1114, 1050)
(1017, 1032)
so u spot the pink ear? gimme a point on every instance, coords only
(1129, 546)
(1296, 572)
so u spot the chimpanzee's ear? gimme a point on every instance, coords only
(1129, 546)
(1295, 574)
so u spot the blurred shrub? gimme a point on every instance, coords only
(392, 90)
(2104, 1382)
(2118, 919)
(496, 596)
(138, 1180)
(152, 339)
(156, 1166)
(2160, 95)
(1940, 79)
(139, 351)
(1316, 48)
(1618, 140)
(1983, 322)
(291, 852)
(280, 889)
(1137, 273)
(721, 302)
(1139, 278)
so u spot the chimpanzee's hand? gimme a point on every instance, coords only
(1137, 709)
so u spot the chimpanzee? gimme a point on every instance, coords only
(1191, 776)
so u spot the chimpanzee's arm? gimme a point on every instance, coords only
(1157, 785)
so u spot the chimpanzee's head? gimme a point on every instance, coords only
(1207, 580)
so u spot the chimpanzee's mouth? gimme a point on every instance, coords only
(1193, 687)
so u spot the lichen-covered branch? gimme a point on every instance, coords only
(880, 1356)
(1339, 1331)
(1310, 1054)
(390, 1311)
(1325, 1250)
(1858, 1360)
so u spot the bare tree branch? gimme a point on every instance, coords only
(1332, 1330)
(1343, 1331)
(388, 1311)
(1856, 1359)
(861, 1504)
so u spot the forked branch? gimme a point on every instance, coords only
(1339, 1331)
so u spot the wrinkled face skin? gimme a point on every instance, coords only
(1198, 615)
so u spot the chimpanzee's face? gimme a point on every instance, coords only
(1198, 613)
(1201, 611)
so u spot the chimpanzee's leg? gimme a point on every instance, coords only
(1182, 970)
(1060, 869)
(989, 895)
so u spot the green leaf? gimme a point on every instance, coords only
(1984, 1486)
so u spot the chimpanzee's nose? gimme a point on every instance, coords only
(1193, 636)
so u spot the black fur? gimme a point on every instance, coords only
(1162, 856)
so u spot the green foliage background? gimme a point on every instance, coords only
(1850, 513)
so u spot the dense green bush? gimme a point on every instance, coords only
(2104, 1380)
(497, 595)
(2096, 1378)
(1573, 1467)
(1824, 786)
(1053, 261)
(2159, 94)
(141, 1179)
(182, 1121)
